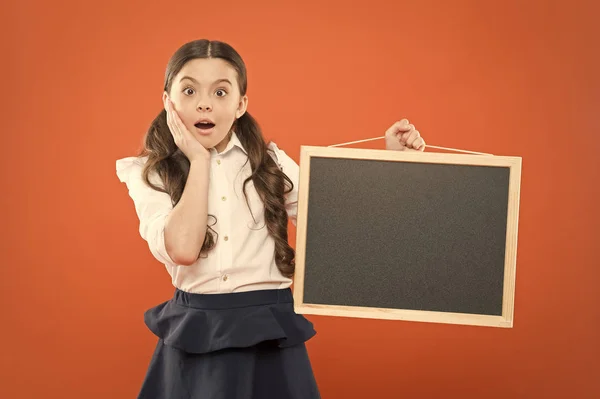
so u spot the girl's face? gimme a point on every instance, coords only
(206, 96)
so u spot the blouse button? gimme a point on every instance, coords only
(218, 162)
(225, 278)
(226, 238)
(224, 198)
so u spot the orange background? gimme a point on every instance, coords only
(83, 80)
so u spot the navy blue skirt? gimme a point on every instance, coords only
(247, 345)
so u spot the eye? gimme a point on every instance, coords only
(221, 93)
(187, 91)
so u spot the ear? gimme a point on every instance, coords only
(242, 107)
(165, 97)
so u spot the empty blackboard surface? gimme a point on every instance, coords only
(407, 235)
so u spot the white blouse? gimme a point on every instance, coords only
(243, 258)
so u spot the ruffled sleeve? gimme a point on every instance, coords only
(152, 207)
(292, 170)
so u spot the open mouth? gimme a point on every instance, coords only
(204, 125)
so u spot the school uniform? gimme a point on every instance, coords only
(230, 330)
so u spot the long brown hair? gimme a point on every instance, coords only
(172, 166)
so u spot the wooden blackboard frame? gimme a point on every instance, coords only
(513, 163)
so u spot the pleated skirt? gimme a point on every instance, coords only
(248, 345)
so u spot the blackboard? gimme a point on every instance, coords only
(414, 236)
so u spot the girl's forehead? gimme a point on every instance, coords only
(207, 70)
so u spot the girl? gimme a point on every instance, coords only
(213, 201)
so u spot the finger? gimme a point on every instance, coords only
(177, 131)
(401, 138)
(404, 137)
(170, 120)
(419, 144)
(404, 125)
(179, 124)
(168, 111)
(398, 127)
(413, 135)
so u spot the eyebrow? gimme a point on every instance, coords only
(198, 83)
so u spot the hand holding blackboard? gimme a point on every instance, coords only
(403, 135)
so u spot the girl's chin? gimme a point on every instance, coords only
(211, 139)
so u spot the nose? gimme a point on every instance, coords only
(204, 105)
